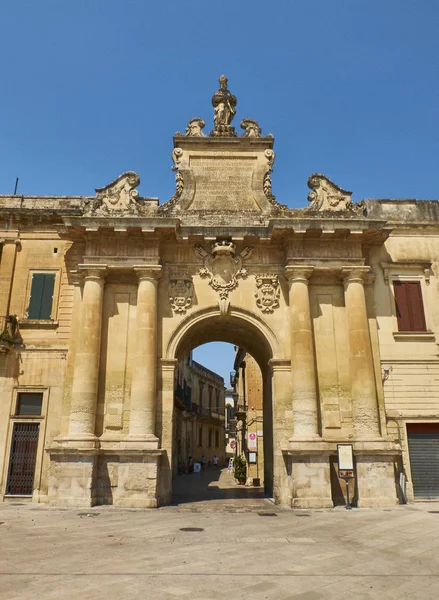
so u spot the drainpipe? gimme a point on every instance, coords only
(401, 487)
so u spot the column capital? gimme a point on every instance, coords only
(148, 272)
(4, 241)
(298, 272)
(93, 271)
(280, 364)
(358, 274)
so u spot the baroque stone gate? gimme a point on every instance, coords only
(138, 284)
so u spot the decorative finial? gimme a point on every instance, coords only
(223, 103)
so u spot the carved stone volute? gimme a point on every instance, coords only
(326, 196)
(117, 198)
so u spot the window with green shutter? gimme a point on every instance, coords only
(41, 296)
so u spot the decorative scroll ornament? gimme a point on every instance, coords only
(177, 156)
(181, 291)
(222, 267)
(223, 103)
(268, 192)
(116, 198)
(327, 196)
(194, 128)
(252, 129)
(267, 292)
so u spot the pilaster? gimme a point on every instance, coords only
(303, 362)
(363, 384)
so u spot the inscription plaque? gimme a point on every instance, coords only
(224, 182)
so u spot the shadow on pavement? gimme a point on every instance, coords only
(212, 484)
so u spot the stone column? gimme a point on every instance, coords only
(303, 369)
(280, 410)
(86, 372)
(363, 385)
(7, 265)
(144, 378)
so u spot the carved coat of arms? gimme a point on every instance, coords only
(222, 266)
(181, 291)
(267, 292)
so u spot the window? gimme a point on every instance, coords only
(29, 404)
(210, 438)
(217, 439)
(41, 296)
(409, 306)
(200, 436)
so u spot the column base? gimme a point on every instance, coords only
(137, 480)
(72, 474)
(144, 442)
(377, 485)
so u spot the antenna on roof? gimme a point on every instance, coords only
(16, 186)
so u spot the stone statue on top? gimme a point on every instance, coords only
(223, 103)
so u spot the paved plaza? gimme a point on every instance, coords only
(243, 547)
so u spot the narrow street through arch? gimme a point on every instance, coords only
(217, 490)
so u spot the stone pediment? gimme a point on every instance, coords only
(222, 172)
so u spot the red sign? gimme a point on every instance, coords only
(233, 444)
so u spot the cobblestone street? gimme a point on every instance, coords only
(238, 545)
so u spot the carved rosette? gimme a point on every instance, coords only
(222, 267)
(267, 292)
(181, 291)
(117, 198)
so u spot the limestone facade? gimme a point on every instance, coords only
(102, 296)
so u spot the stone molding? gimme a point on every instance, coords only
(298, 273)
(353, 274)
(148, 272)
(97, 272)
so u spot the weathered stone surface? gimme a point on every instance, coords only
(313, 303)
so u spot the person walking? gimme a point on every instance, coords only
(215, 462)
(202, 462)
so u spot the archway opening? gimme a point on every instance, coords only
(212, 424)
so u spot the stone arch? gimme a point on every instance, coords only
(239, 326)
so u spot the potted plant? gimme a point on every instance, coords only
(240, 465)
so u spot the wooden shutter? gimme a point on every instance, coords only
(409, 306)
(402, 309)
(414, 296)
(41, 296)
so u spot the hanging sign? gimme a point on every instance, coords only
(252, 441)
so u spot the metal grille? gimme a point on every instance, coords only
(424, 464)
(22, 460)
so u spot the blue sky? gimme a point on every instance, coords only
(93, 88)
